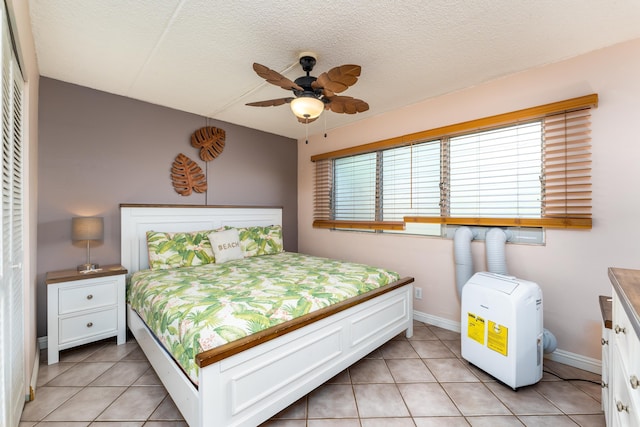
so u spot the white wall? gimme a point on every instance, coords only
(572, 267)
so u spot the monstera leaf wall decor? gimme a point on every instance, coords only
(210, 141)
(187, 176)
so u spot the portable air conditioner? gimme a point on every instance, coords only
(502, 328)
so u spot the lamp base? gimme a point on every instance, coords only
(88, 268)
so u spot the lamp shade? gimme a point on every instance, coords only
(307, 107)
(87, 228)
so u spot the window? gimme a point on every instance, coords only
(527, 168)
(496, 173)
(354, 192)
(410, 181)
(387, 185)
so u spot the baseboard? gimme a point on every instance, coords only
(34, 375)
(572, 359)
(43, 342)
(447, 324)
(576, 360)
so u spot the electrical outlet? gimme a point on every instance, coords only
(417, 293)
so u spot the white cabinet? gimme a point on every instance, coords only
(625, 369)
(607, 319)
(624, 357)
(83, 308)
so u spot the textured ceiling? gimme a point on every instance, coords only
(197, 55)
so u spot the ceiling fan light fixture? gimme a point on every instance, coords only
(307, 107)
(313, 95)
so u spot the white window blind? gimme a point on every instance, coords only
(12, 369)
(380, 187)
(496, 173)
(354, 191)
(411, 181)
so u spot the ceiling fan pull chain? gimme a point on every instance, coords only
(325, 125)
(306, 130)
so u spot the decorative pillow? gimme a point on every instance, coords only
(172, 250)
(226, 245)
(261, 240)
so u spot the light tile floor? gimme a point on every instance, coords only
(420, 382)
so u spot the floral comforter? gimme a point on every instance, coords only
(193, 309)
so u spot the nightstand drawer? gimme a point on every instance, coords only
(88, 296)
(87, 325)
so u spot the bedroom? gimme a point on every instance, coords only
(570, 267)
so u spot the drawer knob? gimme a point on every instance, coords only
(620, 330)
(634, 382)
(603, 341)
(90, 296)
(621, 407)
(90, 324)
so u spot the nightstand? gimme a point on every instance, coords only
(84, 307)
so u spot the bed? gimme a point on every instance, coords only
(248, 380)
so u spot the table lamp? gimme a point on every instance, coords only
(89, 229)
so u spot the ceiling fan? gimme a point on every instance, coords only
(313, 95)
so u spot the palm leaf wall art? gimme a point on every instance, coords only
(187, 176)
(210, 140)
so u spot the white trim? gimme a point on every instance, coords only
(43, 342)
(441, 322)
(34, 375)
(576, 360)
(561, 356)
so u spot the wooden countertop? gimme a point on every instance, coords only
(73, 274)
(626, 284)
(607, 311)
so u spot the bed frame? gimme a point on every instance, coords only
(247, 382)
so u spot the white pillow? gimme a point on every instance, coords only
(226, 245)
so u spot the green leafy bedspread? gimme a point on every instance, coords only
(193, 309)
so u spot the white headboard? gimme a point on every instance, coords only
(136, 220)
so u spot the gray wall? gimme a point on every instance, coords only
(98, 150)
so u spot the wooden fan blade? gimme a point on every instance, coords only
(338, 79)
(346, 74)
(274, 77)
(321, 82)
(329, 87)
(347, 105)
(327, 93)
(270, 102)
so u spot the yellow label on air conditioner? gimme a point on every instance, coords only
(497, 338)
(475, 328)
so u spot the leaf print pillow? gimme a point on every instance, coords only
(261, 240)
(173, 250)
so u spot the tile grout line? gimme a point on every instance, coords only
(126, 388)
(84, 388)
(393, 352)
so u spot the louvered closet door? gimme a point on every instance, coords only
(12, 369)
